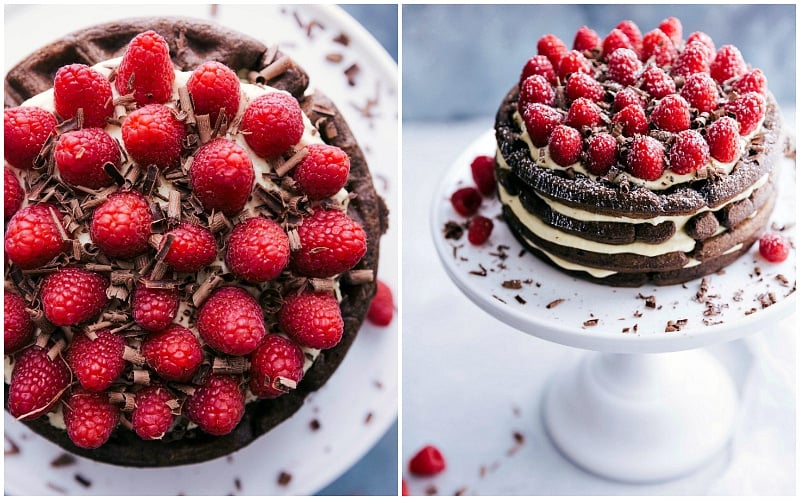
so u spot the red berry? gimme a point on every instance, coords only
(586, 39)
(628, 96)
(25, 130)
(657, 45)
(154, 308)
(573, 62)
(480, 228)
(646, 158)
(13, 194)
(323, 172)
(153, 136)
(539, 65)
(331, 243)
(583, 113)
(749, 110)
(700, 91)
(405, 491)
(96, 363)
(699, 36)
(583, 85)
(672, 27)
(146, 70)
(258, 250)
(276, 367)
(78, 86)
(121, 225)
(71, 296)
(551, 47)
(672, 114)
(90, 418)
(152, 417)
(540, 120)
(81, 155)
(533, 89)
(427, 462)
(217, 406)
(214, 87)
(632, 119)
(616, 39)
(466, 201)
(688, 153)
(752, 81)
(381, 308)
(18, 327)
(657, 83)
(693, 59)
(222, 176)
(601, 153)
(32, 236)
(482, 168)
(37, 383)
(727, 63)
(723, 139)
(231, 321)
(565, 145)
(623, 66)
(193, 248)
(175, 353)
(773, 247)
(272, 123)
(312, 319)
(633, 33)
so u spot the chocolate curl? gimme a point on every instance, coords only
(57, 220)
(102, 268)
(204, 128)
(322, 285)
(123, 327)
(231, 366)
(174, 405)
(294, 240)
(124, 422)
(150, 179)
(140, 376)
(287, 166)
(159, 270)
(55, 351)
(359, 276)
(211, 282)
(187, 105)
(124, 399)
(114, 173)
(217, 222)
(42, 339)
(41, 322)
(91, 330)
(284, 384)
(276, 68)
(185, 388)
(174, 208)
(133, 356)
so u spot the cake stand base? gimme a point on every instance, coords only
(641, 417)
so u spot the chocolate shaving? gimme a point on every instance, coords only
(675, 326)
(62, 460)
(114, 173)
(482, 272)
(83, 481)
(334, 57)
(359, 276)
(150, 180)
(187, 105)
(174, 208)
(323, 285)
(520, 299)
(315, 425)
(512, 284)
(342, 39)
(649, 300)
(284, 478)
(351, 72)
(276, 68)
(554, 303)
(284, 168)
(294, 240)
(124, 399)
(591, 322)
(12, 449)
(233, 366)
(211, 282)
(204, 128)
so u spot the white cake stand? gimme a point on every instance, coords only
(649, 404)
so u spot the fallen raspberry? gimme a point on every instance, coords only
(276, 367)
(273, 123)
(217, 406)
(25, 130)
(96, 363)
(13, 194)
(323, 172)
(624, 66)
(533, 89)
(33, 236)
(727, 63)
(540, 120)
(551, 47)
(688, 153)
(82, 154)
(723, 139)
(146, 70)
(330, 243)
(18, 327)
(381, 308)
(583, 85)
(672, 114)
(121, 225)
(539, 65)
(565, 145)
(586, 39)
(71, 296)
(601, 153)
(312, 319)
(700, 91)
(214, 87)
(222, 176)
(482, 168)
(480, 228)
(78, 86)
(90, 418)
(258, 250)
(427, 462)
(646, 158)
(153, 136)
(773, 247)
(174, 354)
(231, 321)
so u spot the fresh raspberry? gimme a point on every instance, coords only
(331, 243)
(583, 85)
(623, 66)
(565, 145)
(154, 136)
(427, 462)
(601, 153)
(573, 62)
(773, 247)
(214, 87)
(479, 230)
(71, 296)
(586, 39)
(540, 120)
(633, 33)
(78, 86)
(748, 109)
(96, 363)
(466, 201)
(32, 236)
(323, 172)
(154, 308)
(723, 139)
(146, 70)
(231, 321)
(657, 45)
(700, 91)
(217, 406)
(632, 119)
(539, 65)
(152, 417)
(222, 176)
(37, 383)
(258, 250)
(18, 327)
(13, 194)
(272, 123)
(583, 113)
(646, 158)
(752, 81)
(693, 59)
(673, 28)
(628, 96)
(699, 36)
(551, 47)
(25, 130)
(688, 153)
(533, 89)
(672, 114)
(276, 367)
(81, 155)
(193, 248)
(482, 168)
(174, 353)
(90, 418)
(616, 39)
(405, 491)
(657, 83)
(312, 319)
(727, 63)
(121, 225)
(381, 308)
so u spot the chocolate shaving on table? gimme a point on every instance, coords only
(554, 303)
(334, 57)
(284, 478)
(649, 300)
(63, 460)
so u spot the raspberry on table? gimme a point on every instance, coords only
(312, 319)
(428, 461)
(174, 353)
(479, 230)
(217, 406)
(551, 47)
(18, 326)
(656, 44)
(646, 158)
(573, 62)
(25, 130)
(82, 154)
(633, 120)
(381, 308)
(539, 65)
(258, 250)
(90, 418)
(71, 296)
(586, 39)
(323, 172)
(152, 417)
(601, 153)
(482, 168)
(673, 28)
(276, 367)
(693, 59)
(672, 114)
(214, 87)
(656, 82)
(37, 382)
(533, 89)
(121, 225)
(727, 63)
(688, 153)
(154, 308)
(193, 248)
(222, 176)
(13, 194)
(331, 243)
(583, 113)
(700, 91)
(33, 236)
(231, 321)
(565, 145)
(633, 33)
(540, 120)
(146, 70)
(749, 110)
(752, 81)
(583, 85)
(77, 86)
(722, 137)
(774, 247)
(466, 201)
(624, 66)
(616, 39)
(154, 136)
(272, 123)
(699, 36)
(628, 96)
(96, 363)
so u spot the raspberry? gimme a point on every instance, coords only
(583, 113)
(623, 66)
(231, 321)
(154, 308)
(539, 65)
(96, 363)
(217, 406)
(633, 33)
(323, 172)
(193, 248)
(708, 43)
(427, 462)
(586, 39)
(601, 153)
(693, 59)
(405, 491)
(632, 119)
(90, 418)
(152, 417)
(32, 236)
(153, 136)
(331, 243)
(121, 225)
(672, 114)
(276, 367)
(18, 327)
(37, 383)
(381, 308)
(627, 97)
(480, 228)
(13, 194)
(700, 91)
(540, 120)
(646, 158)
(214, 87)
(573, 62)
(482, 168)
(565, 145)
(272, 124)
(146, 70)
(551, 47)
(752, 81)
(533, 89)
(258, 250)
(71, 296)
(748, 109)
(616, 39)
(25, 131)
(727, 64)
(583, 85)
(312, 320)
(78, 86)
(175, 353)
(81, 155)
(657, 83)
(688, 153)
(466, 201)
(672, 27)
(657, 45)
(773, 247)
(222, 176)
(723, 139)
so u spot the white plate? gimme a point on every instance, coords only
(359, 402)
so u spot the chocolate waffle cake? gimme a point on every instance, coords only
(610, 163)
(275, 196)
